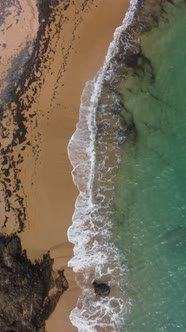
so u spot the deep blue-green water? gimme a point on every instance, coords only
(150, 196)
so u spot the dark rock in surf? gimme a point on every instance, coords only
(101, 289)
(29, 291)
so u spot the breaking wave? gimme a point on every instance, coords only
(94, 153)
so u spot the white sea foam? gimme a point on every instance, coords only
(94, 155)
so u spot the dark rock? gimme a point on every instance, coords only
(101, 289)
(25, 302)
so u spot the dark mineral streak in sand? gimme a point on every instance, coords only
(25, 79)
(25, 302)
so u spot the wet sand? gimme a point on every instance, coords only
(79, 36)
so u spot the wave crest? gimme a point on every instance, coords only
(94, 154)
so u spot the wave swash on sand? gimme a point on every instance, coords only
(94, 154)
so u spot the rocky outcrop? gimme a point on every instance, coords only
(29, 291)
(101, 289)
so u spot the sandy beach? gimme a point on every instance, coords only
(79, 35)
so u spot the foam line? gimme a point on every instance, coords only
(94, 162)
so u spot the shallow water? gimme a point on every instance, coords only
(150, 195)
(94, 153)
(129, 221)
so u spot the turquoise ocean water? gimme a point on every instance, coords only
(129, 164)
(150, 196)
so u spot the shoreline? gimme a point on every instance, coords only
(73, 93)
(71, 51)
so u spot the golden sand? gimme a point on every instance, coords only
(79, 51)
(15, 32)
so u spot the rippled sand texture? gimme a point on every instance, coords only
(49, 49)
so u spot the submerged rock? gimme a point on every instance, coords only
(101, 289)
(29, 291)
